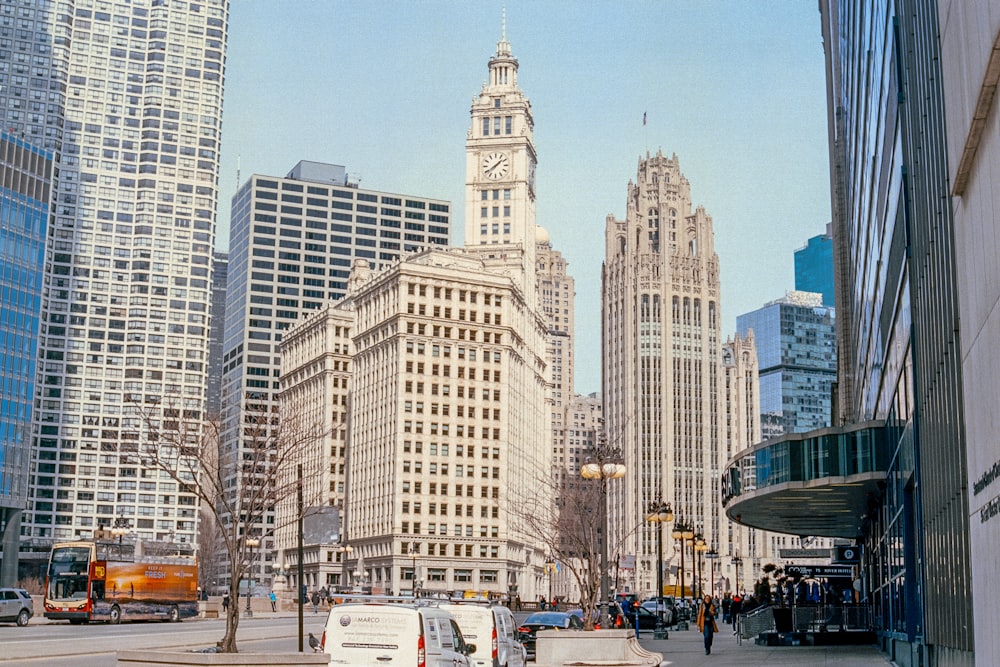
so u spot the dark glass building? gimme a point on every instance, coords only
(814, 267)
(25, 173)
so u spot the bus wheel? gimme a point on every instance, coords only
(76, 621)
(116, 616)
(174, 616)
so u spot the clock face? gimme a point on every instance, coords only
(496, 165)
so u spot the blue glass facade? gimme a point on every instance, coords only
(814, 267)
(24, 200)
(797, 361)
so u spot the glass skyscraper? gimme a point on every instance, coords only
(25, 173)
(797, 357)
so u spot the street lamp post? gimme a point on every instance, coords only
(682, 533)
(345, 551)
(603, 467)
(713, 555)
(737, 561)
(250, 542)
(550, 566)
(414, 550)
(659, 513)
(120, 529)
(696, 541)
(701, 546)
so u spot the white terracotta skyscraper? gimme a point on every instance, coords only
(663, 378)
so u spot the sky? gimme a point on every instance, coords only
(734, 88)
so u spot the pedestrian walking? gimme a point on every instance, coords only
(315, 602)
(225, 603)
(274, 601)
(727, 604)
(706, 622)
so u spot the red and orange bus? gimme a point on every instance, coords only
(96, 581)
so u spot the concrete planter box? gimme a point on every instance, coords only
(183, 658)
(600, 648)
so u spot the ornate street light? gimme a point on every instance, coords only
(603, 467)
(700, 547)
(682, 532)
(250, 542)
(414, 551)
(737, 562)
(550, 567)
(345, 552)
(659, 513)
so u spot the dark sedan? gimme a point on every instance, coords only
(545, 620)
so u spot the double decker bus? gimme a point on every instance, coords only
(98, 581)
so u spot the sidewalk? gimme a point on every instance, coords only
(686, 647)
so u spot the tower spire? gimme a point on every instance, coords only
(503, 46)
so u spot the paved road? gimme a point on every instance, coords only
(64, 645)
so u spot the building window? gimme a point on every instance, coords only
(487, 576)
(486, 127)
(508, 124)
(436, 574)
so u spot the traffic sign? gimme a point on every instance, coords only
(850, 554)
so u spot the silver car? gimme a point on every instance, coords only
(16, 606)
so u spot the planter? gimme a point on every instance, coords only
(566, 648)
(164, 658)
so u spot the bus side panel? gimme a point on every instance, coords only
(147, 590)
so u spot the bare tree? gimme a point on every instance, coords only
(571, 527)
(238, 486)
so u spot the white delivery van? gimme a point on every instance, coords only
(494, 632)
(394, 635)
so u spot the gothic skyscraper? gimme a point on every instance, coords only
(663, 376)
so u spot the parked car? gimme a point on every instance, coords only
(16, 606)
(545, 620)
(370, 635)
(665, 606)
(493, 630)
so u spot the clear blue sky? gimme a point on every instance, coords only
(735, 89)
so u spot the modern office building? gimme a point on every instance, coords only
(814, 266)
(894, 473)
(292, 243)
(25, 183)
(970, 44)
(220, 280)
(796, 350)
(128, 96)
(663, 375)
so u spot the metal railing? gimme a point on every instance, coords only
(804, 618)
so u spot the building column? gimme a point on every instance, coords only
(11, 519)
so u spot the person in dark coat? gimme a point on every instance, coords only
(225, 602)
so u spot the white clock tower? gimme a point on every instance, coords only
(500, 174)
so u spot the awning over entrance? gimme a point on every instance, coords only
(818, 483)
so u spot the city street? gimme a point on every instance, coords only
(64, 645)
(61, 645)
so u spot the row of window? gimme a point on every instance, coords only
(459, 530)
(460, 510)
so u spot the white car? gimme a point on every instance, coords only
(16, 606)
(394, 635)
(494, 632)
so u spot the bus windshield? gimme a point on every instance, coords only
(69, 568)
